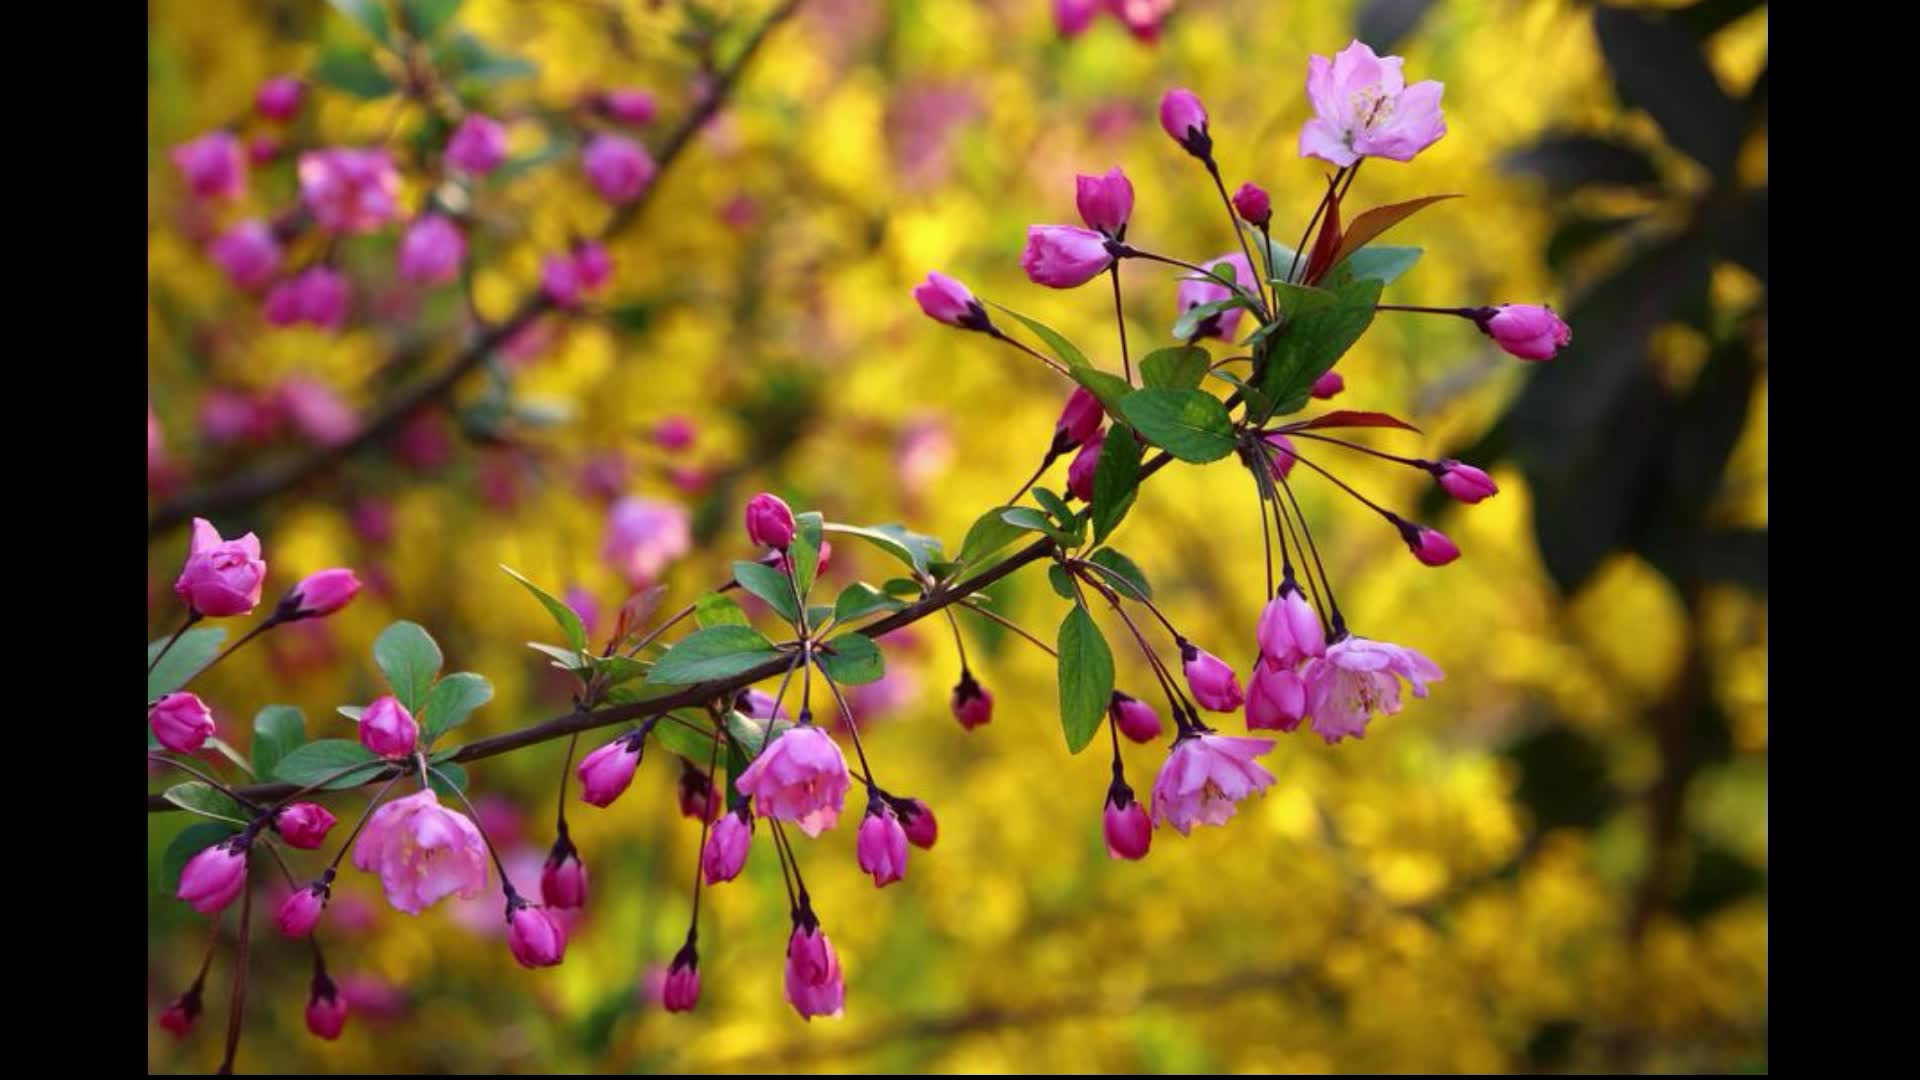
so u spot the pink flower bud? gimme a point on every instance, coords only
(262, 149)
(181, 721)
(618, 167)
(682, 989)
(221, 577)
(349, 191)
(606, 772)
(814, 983)
(213, 165)
(317, 411)
(1289, 631)
(1085, 463)
(388, 729)
(324, 592)
(946, 300)
(211, 879)
(303, 825)
(534, 936)
(248, 253)
(560, 280)
(1252, 204)
(278, 99)
(627, 106)
(1081, 417)
(882, 845)
(1125, 825)
(300, 912)
(1184, 120)
(1283, 455)
(1464, 482)
(563, 880)
(179, 1016)
(1213, 683)
(431, 251)
(1142, 18)
(1071, 17)
(592, 265)
(1062, 257)
(922, 829)
(1528, 331)
(326, 1009)
(674, 433)
(316, 295)
(1135, 718)
(1329, 384)
(971, 703)
(1105, 202)
(1276, 698)
(1430, 546)
(478, 145)
(727, 846)
(769, 521)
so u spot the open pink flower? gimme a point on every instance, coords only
(1194, 290)
(423, 852)
(221, 577)
(815, 986)
(1205, 776)
(1358, 678)
(1364, 108)
(800, 777)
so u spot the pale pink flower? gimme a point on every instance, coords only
(922, 452)
(800, 777)
(643, 537)
(317, 411)
(1363, 108)
(423, 852)
(1358, 678)
(1205, 776)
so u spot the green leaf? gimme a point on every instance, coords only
(448, 780)
(614, 670)
(860, 599)
(453, 699)
(201, 798)
(1298, 300)
(1061, 581)
(718, 652)
(354, 71)
(227, 751)
(1056, 506)
(1111, 389)
(1086, 678)
(803, 554)
(316, 761)
(476, 61)
(1062, 348)
(990, 533)
(278, 730)
(675, 737)
(368, 15)
(818, 614)
(564, 659)
(770, 585)
(1190, 425)
(1280, 255)
(1026, 517)
(188, 657)
(189, 842)
(1382, 263)
(1189, 321)
(852, 660)
(715, 609)
(911, 548)
(1116, 477)
(1121, 571)
(408, 657)
(426, 17)
(1178, 367)
(1257, 403)
(565, 617)
(905, 586)
(1314, 343)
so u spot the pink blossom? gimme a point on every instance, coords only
(618, 167)
(972, 705)
(1252, 204)
(1184, 120)
(1363, 108)
(1527, 331)
(1205, 776)
(278, 99)
(1276, 698)
(423, 852)
(1356, 679)
(303, 825)
(431, 251)
(348, 190)
(1213, 683)
(324, 592)
(643, 536)
(881, 845)
(563, 880)
(1328, 384)
(211, 879)
(681, 990)
(769, 521)
(1464, 482)
(181, 721)
(1194, 291)
(1289, 631)
(800, 777)
(560, 280)
(388, 729)
(317, 411)
(316, 295)
(213, 165)
(221, 577)
(1125, 825)
(248, 253)
(1081, 417)
(326, 1009)
(628, 106)
(1135, 718)
(946, 300)
(1430, 546)
(922, 829)
(814, 984)
(1062, 256)
(534, 936)
(300, 912)
(1080, 471)
(592, 266)
(1105, 202)
(1071, 17)
(727, 847)
(606, 772)
(478, 145)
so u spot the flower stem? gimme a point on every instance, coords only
(192, 617)
(1120, 319)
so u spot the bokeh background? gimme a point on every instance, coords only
(1557, 862)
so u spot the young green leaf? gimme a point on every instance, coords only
(1086, 678)
(769, 585)
(717, 652)
(1116, 477)
(716, 609)
(1061, 581)
(567, 619)
(316, 761)
(909, 547)
(988, 535)
(352, 70)
(200, 798)
(852, 660)
(368, 15)
(614, 670)
(1314, 343)
(1056, 506)
(1190, 425)
(1177, 367)
(861, 599)
(452, 700)
(425, 17)
(1026, 517)
(278, 730)
(193, 652)
(409, 658)
(803, 554)
(1189, 321)
(564, 659)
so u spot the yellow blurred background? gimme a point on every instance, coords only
(1521, 872)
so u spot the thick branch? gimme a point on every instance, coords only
(267, 481)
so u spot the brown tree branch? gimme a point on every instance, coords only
(267, 481)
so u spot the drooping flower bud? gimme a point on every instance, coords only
(321, 593)
(563, 880)
(478, 145)
(1078, 421)
(1289, 631)
(619, 168)
(1464, 482)
(698, 800)
(1283, 455)
(1085, 463)
(971, 703)
(1135, 718)
(1276, 698)
(727, 846)
(682, 989)
(1430, 546)
(326, 1008)
(881, 845)
(300, 912)
(627, 106)
(534, 936)
(179, 1016)
(213, 165)
(1328, 384)
(1213, 683)
(278, 99)
(181, 721)
(814, 983)
(388, 729)
(918, 820)
(946, 300)
(211, 879)
(431, 251)
(1128, 831)
(606, 772)
(248, 253)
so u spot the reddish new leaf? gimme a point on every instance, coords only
(1342, 418)
(1370, 225)
(1328, 242)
